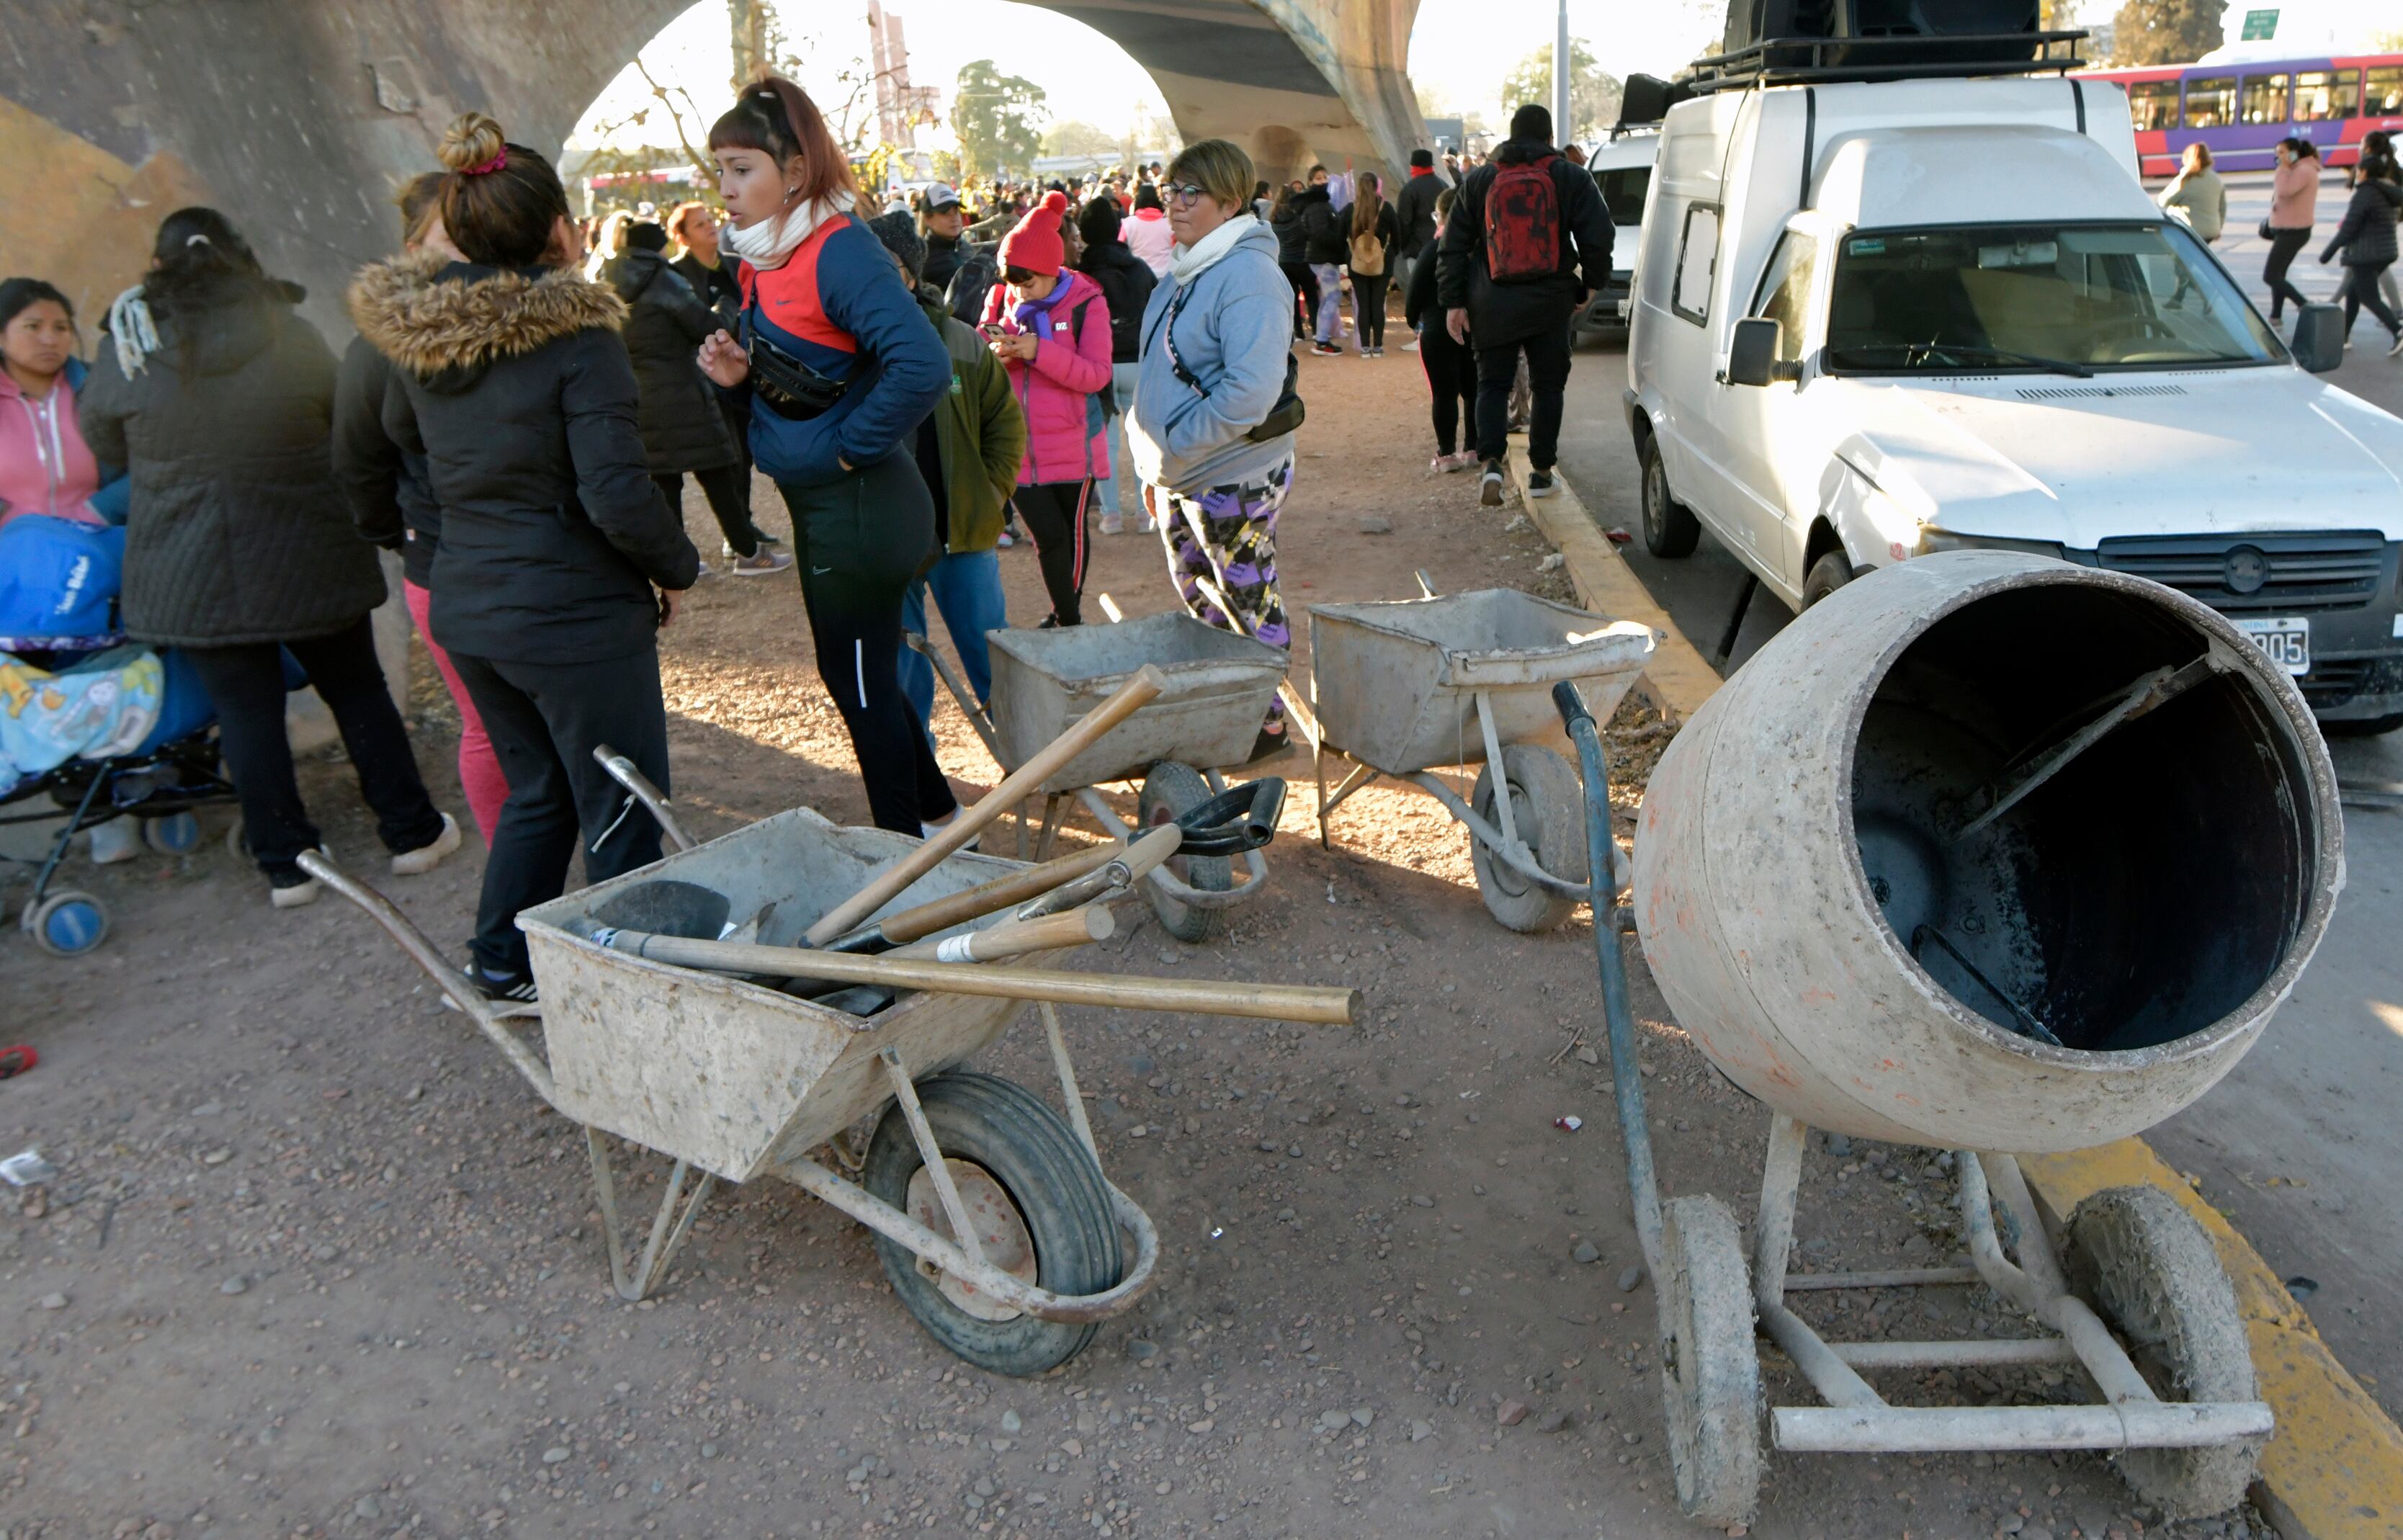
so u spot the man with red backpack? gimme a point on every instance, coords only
(1528, 239)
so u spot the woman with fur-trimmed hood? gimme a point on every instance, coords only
(558, 560)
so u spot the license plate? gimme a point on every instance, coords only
(2286, 639)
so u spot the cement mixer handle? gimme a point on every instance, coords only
(1570, 705)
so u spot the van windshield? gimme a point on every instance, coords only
(2042, 299)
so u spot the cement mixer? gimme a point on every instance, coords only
(1995, 854)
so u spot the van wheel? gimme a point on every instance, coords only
(1669, 528)
(1829, 573)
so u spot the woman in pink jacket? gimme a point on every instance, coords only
(2294, 197)
(1147, 232)
(44, 465)
(1050, 328)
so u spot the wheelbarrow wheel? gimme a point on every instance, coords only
(1169, 792)
(2145, 1264)
(1710, 1371)
(1041, 1211)
(1548, 808)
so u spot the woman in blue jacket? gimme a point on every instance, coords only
(841, 366)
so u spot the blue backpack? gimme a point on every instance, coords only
(60, 579)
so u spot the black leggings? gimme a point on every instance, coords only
(1452, 379)
(2284, 245)
(1305, 296)
(2360, 291)
(1055, 514)
(858, 543)
(728, 490)
(1369, 308)
(245, 684)
(545, 720)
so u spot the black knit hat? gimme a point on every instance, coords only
(1423, 158)
(898, 230)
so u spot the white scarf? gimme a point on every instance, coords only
(766, 244)
(131, 330)
(1198, 258)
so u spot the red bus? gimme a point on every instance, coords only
(2242, 111)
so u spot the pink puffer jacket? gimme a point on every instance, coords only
(1059, 392)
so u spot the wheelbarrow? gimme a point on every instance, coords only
(1404, 686)
(992, 1219)
(1913, 875)
(1204, 720)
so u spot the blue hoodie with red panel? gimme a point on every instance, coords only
(839, 305)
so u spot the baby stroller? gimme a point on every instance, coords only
(90, 727)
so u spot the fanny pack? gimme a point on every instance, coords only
(786, 384)
(1283, 418)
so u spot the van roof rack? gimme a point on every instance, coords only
(1902, 56)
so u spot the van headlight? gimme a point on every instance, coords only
(1932, 540)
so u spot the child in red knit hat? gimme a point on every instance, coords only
(1050, 328)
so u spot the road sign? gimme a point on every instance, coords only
(2260, 26)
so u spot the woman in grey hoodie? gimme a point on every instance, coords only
(1207, 435)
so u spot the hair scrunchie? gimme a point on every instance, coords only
(498, 162)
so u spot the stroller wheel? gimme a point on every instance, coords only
(66, 924)
(173, 835)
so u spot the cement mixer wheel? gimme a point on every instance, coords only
(2145, 1264)
(1710, 1371)
(1547, 806)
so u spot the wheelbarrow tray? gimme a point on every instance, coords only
(1397, 680)
(732, 1076)
(1219, 686)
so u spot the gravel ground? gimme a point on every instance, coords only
(317, 1263)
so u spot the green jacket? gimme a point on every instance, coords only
(979, 432)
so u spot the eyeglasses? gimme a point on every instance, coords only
(1183, 192)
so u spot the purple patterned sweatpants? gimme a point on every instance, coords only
(1228, 536)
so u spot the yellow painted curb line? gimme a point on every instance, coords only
(1676, 678)
(2334, 1469)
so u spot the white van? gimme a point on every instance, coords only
(1622, 168)
(1876, 320)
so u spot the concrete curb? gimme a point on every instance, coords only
(2334, 1469)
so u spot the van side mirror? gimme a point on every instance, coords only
(1752, 353)
(2319, 338)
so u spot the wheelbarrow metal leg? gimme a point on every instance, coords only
(1503, 814)
(1068, 1090)
(1051, 825)
(667, 1231)
(932, 1153)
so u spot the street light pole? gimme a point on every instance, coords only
(1563, 129)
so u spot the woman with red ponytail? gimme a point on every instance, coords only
(841, 366)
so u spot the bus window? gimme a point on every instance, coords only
(2264, 99)
(2153, 105)
(2211, 102)
(2385, 98)
(2324, 95)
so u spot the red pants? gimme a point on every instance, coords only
(479, 769)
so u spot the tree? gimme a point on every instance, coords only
(998, 119)
(1593, 94)
(1074, 138)
(2166, 32)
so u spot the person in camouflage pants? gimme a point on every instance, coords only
(1227, 537)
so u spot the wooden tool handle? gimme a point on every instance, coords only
(1017, 938)
(1140, 688)
(1000, 894)
(1212, 997)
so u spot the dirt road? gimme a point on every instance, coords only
(318, 1264)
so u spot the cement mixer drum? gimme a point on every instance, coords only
(1991, 851)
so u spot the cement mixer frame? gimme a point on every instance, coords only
(2134, 1262)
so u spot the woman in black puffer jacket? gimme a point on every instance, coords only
(2367, 238)
(684, 428)
(558, 561)
(217, 400)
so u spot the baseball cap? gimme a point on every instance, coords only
(940, 196)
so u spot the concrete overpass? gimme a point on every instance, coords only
(296, 117)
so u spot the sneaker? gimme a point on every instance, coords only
(1489, 491)
(1147, 525)
(2397, 350)
(1327, 350)
(1005, 539)
(1540, 483)
(517, 989)
(1411, 346)
(761, 539)
(1113, 523)
(1440, 464)
(118, 839)
(425, 857)
(301, 889)
(1462, 461)
(762, 563)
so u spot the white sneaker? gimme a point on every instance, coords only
(118, 839)
(298, 894)
(1411, 346)
(1113, 523)
(424, 858)
(2397, 350)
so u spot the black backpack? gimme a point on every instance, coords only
(977, 274)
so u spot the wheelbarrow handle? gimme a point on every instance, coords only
(1570, 701)
(1239, 819)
